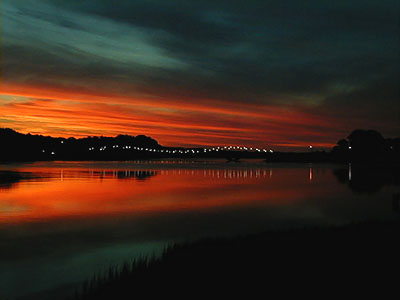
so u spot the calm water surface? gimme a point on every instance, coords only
(61, 222)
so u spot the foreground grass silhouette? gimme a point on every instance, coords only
(285, 262)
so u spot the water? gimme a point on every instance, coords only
(61, 222)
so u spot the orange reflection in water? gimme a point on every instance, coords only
(70, 193)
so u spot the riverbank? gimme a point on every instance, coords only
(273, 261)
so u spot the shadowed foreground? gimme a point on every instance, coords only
(305, 260)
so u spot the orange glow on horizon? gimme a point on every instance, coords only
(173, 122)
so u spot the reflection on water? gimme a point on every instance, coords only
(368, 180)
(61, 222)
(9, 178)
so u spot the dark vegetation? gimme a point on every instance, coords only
(27, 147)
(367, 145)
(287, 262)
(360, 146)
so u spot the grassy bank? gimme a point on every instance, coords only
(282, 261)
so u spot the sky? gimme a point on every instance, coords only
(278, 74)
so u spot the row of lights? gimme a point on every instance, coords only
(188, 151)
(216, 149)
(205, 150)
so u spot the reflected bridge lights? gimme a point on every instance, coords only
(227, 174)
(349, 171)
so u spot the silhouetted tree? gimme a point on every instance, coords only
(343, 144)
(366, 141)
(366, 146)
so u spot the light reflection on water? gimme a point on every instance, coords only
(61, 222)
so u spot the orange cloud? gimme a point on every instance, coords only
(174, 122)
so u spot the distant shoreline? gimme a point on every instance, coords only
(362, 146)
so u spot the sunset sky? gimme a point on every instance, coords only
(282, 74)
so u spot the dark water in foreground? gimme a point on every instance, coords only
(63, 221)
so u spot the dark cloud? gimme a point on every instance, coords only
(375, 105)
(383, 90)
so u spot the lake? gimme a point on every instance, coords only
(61, 222)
